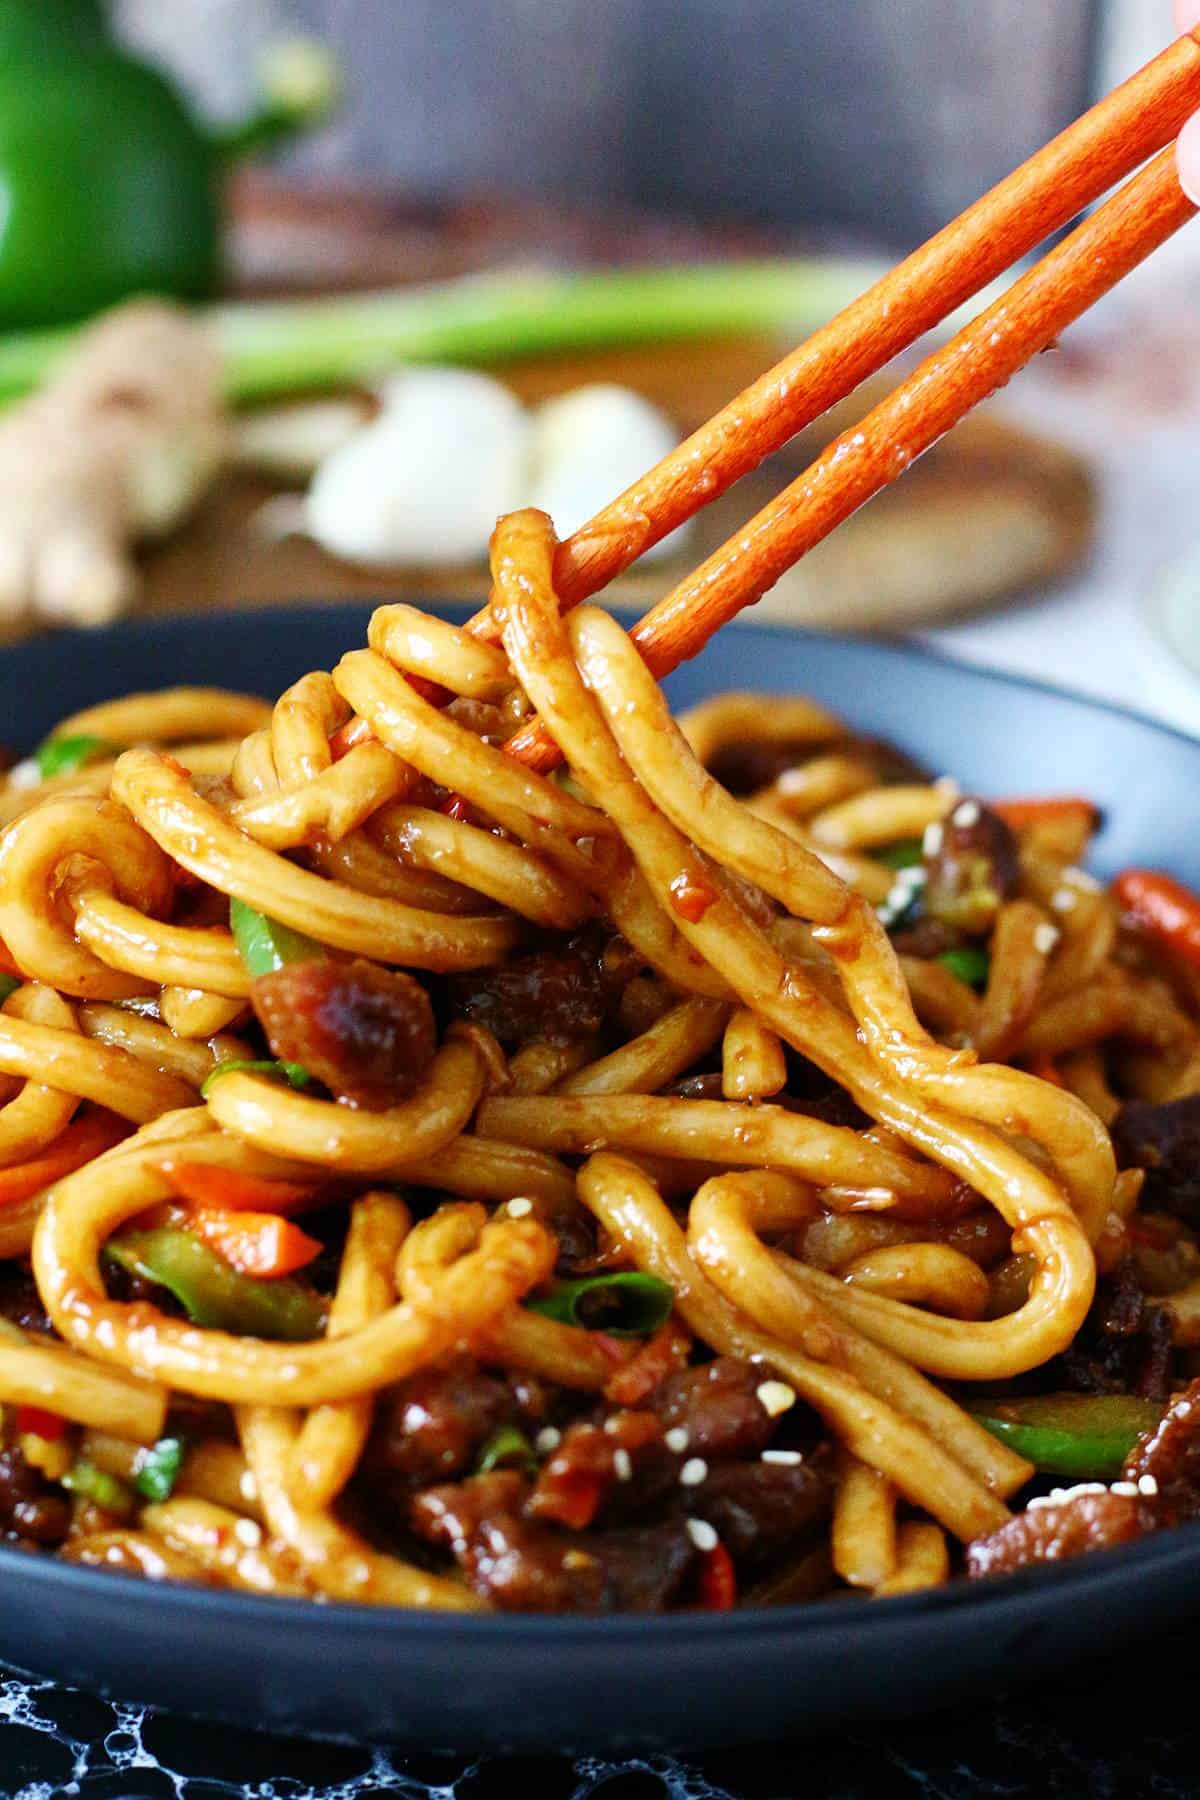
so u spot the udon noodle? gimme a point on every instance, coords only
(688, 1177)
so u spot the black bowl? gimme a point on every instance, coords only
(687, 1681)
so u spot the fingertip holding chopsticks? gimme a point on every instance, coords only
(1139, 120)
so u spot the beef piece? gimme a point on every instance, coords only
(365, 1031)
(558, 994)
(1123, 1345)
(759, 1509)
(20, 1301)
(610, 1471)
(30, 1508)
(1171, 1455)
(1086, 1521)
(1165, 1141)
(973, 869)
(756, 763)
(717, 1404)
(926, 938)
(432, 1426)
(521, 1566)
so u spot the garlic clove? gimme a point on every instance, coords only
(588, 445)
(426, 481)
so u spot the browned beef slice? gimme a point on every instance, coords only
(557, 994)
(365, 1031)
(1123, 1345)
(1171, 1455)
(972, 870)
(717, 1404)
(759, 1509)
(30, 1508)
(1165, 1141)
(432, 1426)
(522, 1566)
(1055, 1532)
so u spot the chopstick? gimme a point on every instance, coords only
(1137, 118)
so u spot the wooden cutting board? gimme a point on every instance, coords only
(990, 512)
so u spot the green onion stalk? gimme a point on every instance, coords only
(295, 346)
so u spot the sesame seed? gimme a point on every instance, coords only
(783, 1459)
(676, 1439)
(946, 784)
(933, 837)
(1058, 1495)
(1081, 879)
(622, 1465)
(1045, 936)
(966, 815)
(1064, 899)
(519, 1208)
(1127, 1489)
(1147, 1485)
(693, 1472)
(547, 1439)
(702, 1534)
(248, 1486)
(775, 1397)
(248, 1533)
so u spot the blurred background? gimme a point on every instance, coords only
(614, 216)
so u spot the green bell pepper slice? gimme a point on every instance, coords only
(1087, 1436)
(157, 1469)
(212, 1293)
(264, 944)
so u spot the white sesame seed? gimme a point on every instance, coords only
(693, 1472)
(547, 1439)
(248, 1533)
(25, 775)
(933, 837)
(946, 784)
(622, 1465)
(1147, 1485)
(775, 1397)
(1045, 936)
(1081, 879)
(676, 1439)
(1064, 899)
(784, 1459)
(519, 1208)
(702, 1534)
(1057, 1496)
(792, 781)
(248, 1486)
(1128, 1489)
(966, 815)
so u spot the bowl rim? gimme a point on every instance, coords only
(997, 1595)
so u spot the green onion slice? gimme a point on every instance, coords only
(507, 1448)
(626, 1304)
(903, 854)
(295, 1074)
(157, 1469)
(62, 756)
(969, 964)
(98, 1486)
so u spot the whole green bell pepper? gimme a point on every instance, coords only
(109, 184)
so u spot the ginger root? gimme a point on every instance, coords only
(118, 446)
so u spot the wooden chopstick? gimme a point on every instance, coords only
(982, 357)
(1100, 148)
